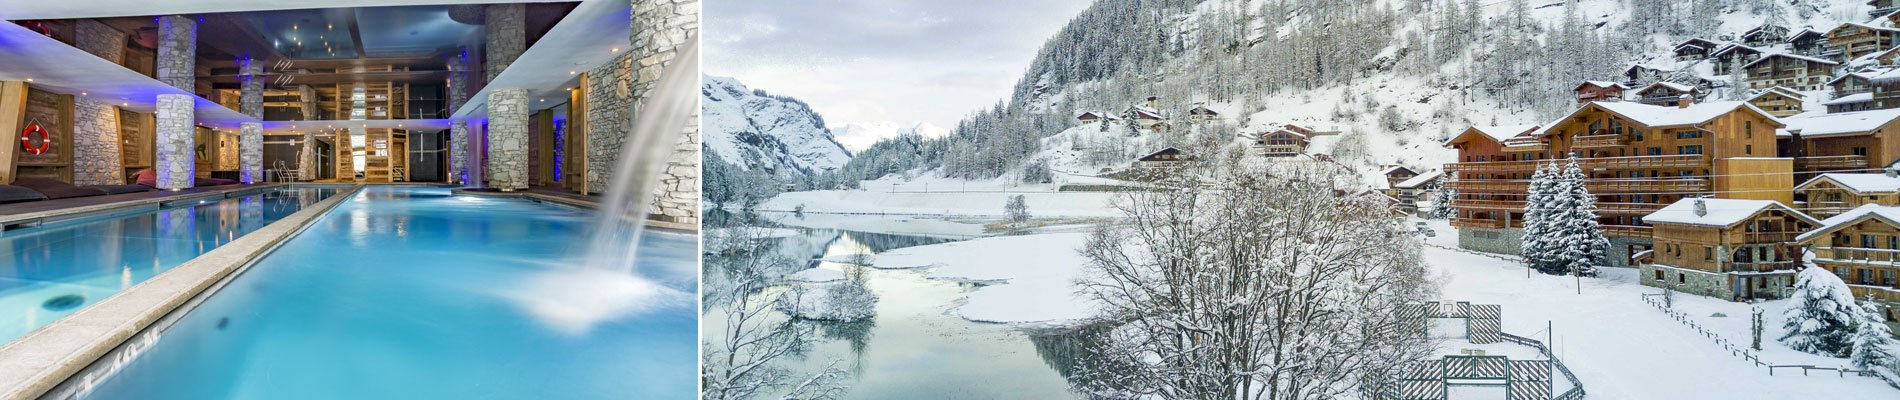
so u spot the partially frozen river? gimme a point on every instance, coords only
(917, 347)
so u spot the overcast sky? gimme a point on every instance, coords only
(868, 61)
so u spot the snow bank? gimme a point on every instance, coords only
(816, 275)
(946, 200)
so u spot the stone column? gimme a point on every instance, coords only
(459, 74)
(250, 152)
(96, 143)
(660, 28)
(508, 139)
(458, 152)
(174, 135)
(178, 52)
(307, 158)
(250, 134)
(507, 36)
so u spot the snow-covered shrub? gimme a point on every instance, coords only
(845, 301)
(1038, 172)
(1820, 317)
(1442, 197)
(1017, 208)
(1561, 232)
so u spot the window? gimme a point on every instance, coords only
(1682, 278)
(1867, 241)
(1866, 276)
(1761, 283)
(1688, 134)
(1860, 151)
(1655, 151)
(1748, 129)
(1694, 149)
(1748, 149)
(1659, 275)
(1708, 254)
(1637, 134)
(1886, 278)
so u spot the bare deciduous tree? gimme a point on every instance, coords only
(739, 358)
(1270, 282)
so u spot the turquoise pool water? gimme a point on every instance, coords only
(52, 270)
(409, 293)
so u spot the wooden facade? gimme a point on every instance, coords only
(1778, 101)
(1282, 143)
(1789, 70)
(1638, 161)
(1863, 248)
(1667, 94)
(1852, 40)
(1590, 91)
(1832, 194)
(1744, 249)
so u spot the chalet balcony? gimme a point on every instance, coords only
(1628, 231)
(1882, 11)
(1469, 204)
(1629, 208)
(1594, 164)
(1645, 185)
(1830, 163)
(1769, 237)
(1856, 256)
(1484, 223)
(1882, 293)
(1763, 266)
(1491, 186)
(1594, 141)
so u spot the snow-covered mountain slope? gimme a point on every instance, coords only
(754, 130)
(858, 136)
(1395, 77)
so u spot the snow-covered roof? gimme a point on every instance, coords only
(1887, 214)
(1669, 85)
(1717, 212)
(1730, 47)
(1790, 55)
(1805, 32)
(1865, 26)
(1147, 113)
(1504, 132)
(1778, 90)
(1396, 168)
(1869, 75)
(1705, 44)
(1668, 116)
(1419, 180)
(1850, 99)
(1863, 183)
(1202, 110)
(1846, 123)
(1287, 132)
(1601, 84)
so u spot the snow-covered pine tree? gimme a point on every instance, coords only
(1583, 247)
(1821, 315)
(1871, 338)
(1535, 244)
(1442, 196)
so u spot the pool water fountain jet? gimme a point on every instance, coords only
(605, 286)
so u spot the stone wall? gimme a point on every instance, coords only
(250, 88)
(660, 28)
(1685, 280)
(1500, 241)
(96, 143)
(174, 136)
(177, 52)
(507, 36)
(459, 74)
(609, 118)
(100, 40)
(508, 139)
(1619, 251)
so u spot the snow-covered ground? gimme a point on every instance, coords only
(1623, 348)
(944, 197)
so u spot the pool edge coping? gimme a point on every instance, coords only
(35, 364)
(82, 211)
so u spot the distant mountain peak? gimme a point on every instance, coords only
(756, 130)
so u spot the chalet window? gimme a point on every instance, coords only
(1688, 134)
(1866, 276)
(1659, 275)
(1694, 149)
(1860, 151)
(1708, 254)
(1636, 134)
(1748, 129)
(1748, 149)
(1682, 278)
(1893, 242)
(1886, 278)
(1867, 241)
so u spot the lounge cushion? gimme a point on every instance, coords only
(146, 177)
(55, 189)
(120, 189)
(15, 194)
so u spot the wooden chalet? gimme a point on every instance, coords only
(1165, 158)
(1852, 40)
(1831, 194)
(1282, 143)
(1089, 116)
(1417, 189)
(1589, 91)
(1396, 173)
(1639, 75)
(1862, 246)
(1640, 157)
(1726, 248)
(1791, 70)
(1695, 49)
(1668, 94)
(1765, 35)
(1808, 42)
(1730, 57)
(1842, 142)
(1202, 113)
(1778, 101)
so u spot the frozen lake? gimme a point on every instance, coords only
(916, 347)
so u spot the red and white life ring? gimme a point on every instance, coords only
(26, 139)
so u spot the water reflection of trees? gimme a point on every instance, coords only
(882, 242)
(856, 334)
(1062, 348)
